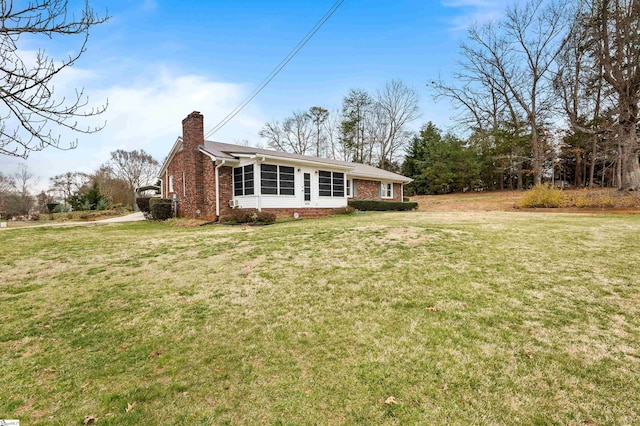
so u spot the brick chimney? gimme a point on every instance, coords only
(192, 138)
(193, 130)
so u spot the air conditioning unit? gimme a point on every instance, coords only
(234, 203)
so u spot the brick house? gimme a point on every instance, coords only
(209, 178)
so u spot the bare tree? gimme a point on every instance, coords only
(318, 117)
(293, 135)
(115, 190)
(67, 184)
(396, 106)
(31, 113)
(7, 183)
(356, 106)
(614, 35)
(136, 168)
(21, 199)
(514, 59)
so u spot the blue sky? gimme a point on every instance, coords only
(156, 61)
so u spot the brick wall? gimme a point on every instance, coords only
(197, 198)
(370, 190)
(308, 213)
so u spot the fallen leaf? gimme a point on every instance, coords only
(445, 387)
(432, 309)
(390, 400)
(154, 354)
(89, 419)
(130, 406)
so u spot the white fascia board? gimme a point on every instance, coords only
(177, 146)
(380, 178)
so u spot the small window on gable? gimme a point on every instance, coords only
(386, 190)
(171, 183)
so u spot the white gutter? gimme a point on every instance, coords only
(259, 188)
(218, 189)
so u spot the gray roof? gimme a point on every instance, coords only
(221, 150)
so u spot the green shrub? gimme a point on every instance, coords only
(51, 207)
(369, 205)
(102, 204)
(542, 196)
(160, 208)
(143, 204)
(249, 216)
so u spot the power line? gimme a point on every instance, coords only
(277, 69)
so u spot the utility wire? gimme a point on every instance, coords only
(277, 69)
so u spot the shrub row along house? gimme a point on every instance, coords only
(209, 178)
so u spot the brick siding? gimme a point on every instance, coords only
(370, 190)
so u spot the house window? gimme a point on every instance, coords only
(277, 180)
(386, 190)
(171, 183)
(350, 188)
(330, 184)
(243, 180)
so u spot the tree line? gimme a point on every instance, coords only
(110, 185)
(549, 93)
(371, 128)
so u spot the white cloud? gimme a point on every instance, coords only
(478, 11)
(145, 115)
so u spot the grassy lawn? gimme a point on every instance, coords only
(465, 318)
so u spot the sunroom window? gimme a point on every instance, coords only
(330, 184)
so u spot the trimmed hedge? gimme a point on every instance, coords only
(249, 216)
(143, 204)
(160, 208)
(368, 205)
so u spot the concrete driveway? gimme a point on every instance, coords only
(133, 217)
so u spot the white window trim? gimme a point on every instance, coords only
(348, 190)
(233, 181)
(386, 188)
(278, 188)
(344, 185)
(171, 183)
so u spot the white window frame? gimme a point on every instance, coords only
(171, 183)
(279, 187)
(349, 188)
(244, 188)
(333, 177)
(386, 190)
